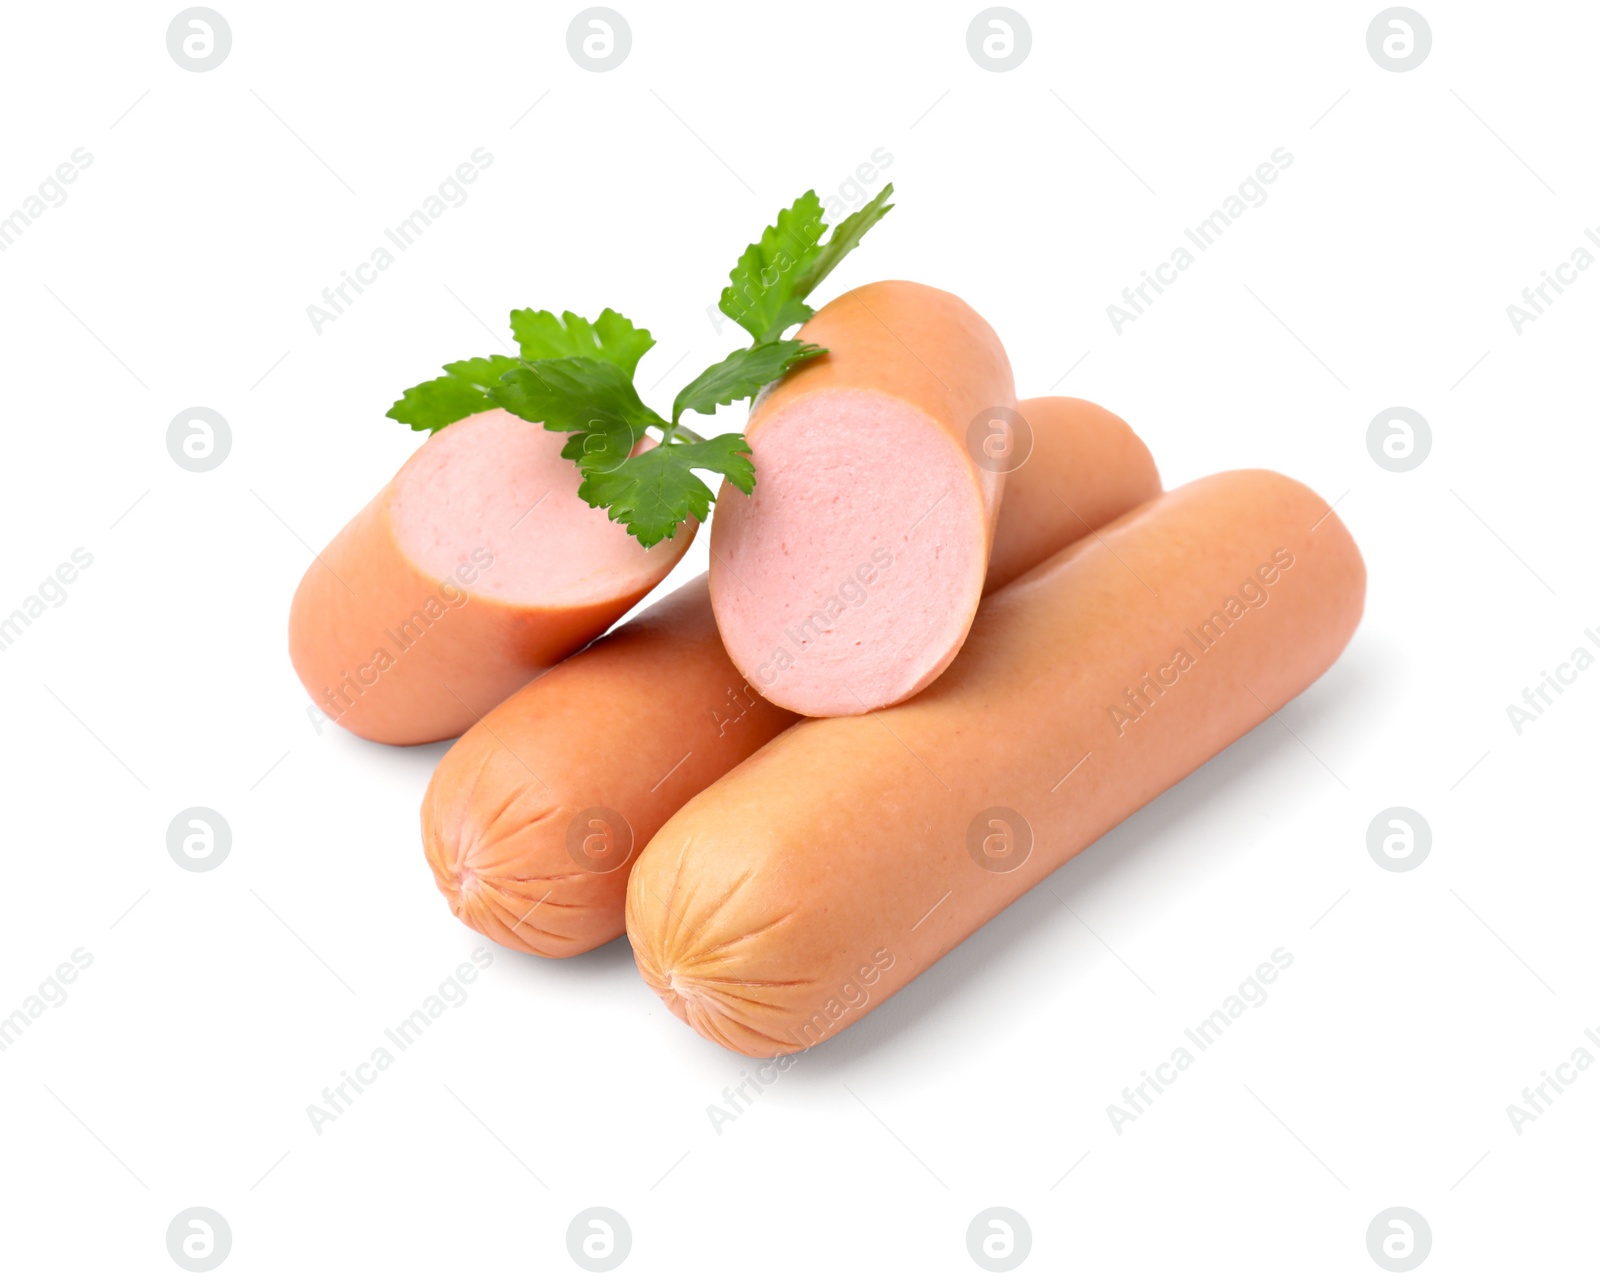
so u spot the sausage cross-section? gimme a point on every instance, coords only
(476, 568)
(847, 580)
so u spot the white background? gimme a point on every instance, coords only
(218, 1006)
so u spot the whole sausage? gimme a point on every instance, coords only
(533, 817)
(476, 567)
(848, 579)
(784, 902)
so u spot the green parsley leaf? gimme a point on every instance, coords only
(591, 399)
(467, 388)
(761, 297)
(653, 492)
(543, 335)
(576, 376)
(846, 236)
(741, 374)
(775, 276)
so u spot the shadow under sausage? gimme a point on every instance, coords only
(1133, 851)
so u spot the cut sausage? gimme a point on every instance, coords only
(532, 819)
(848, 579)
(839, 862)
(476, 567)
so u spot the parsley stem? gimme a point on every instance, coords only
(676, 429)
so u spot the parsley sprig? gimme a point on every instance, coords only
(576, 377)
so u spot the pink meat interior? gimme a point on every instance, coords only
(854, 569)
(493, 488)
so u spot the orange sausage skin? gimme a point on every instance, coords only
(798, 893)
(399, 655)
(533, 818)
(1086, 468)
(376, 671)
